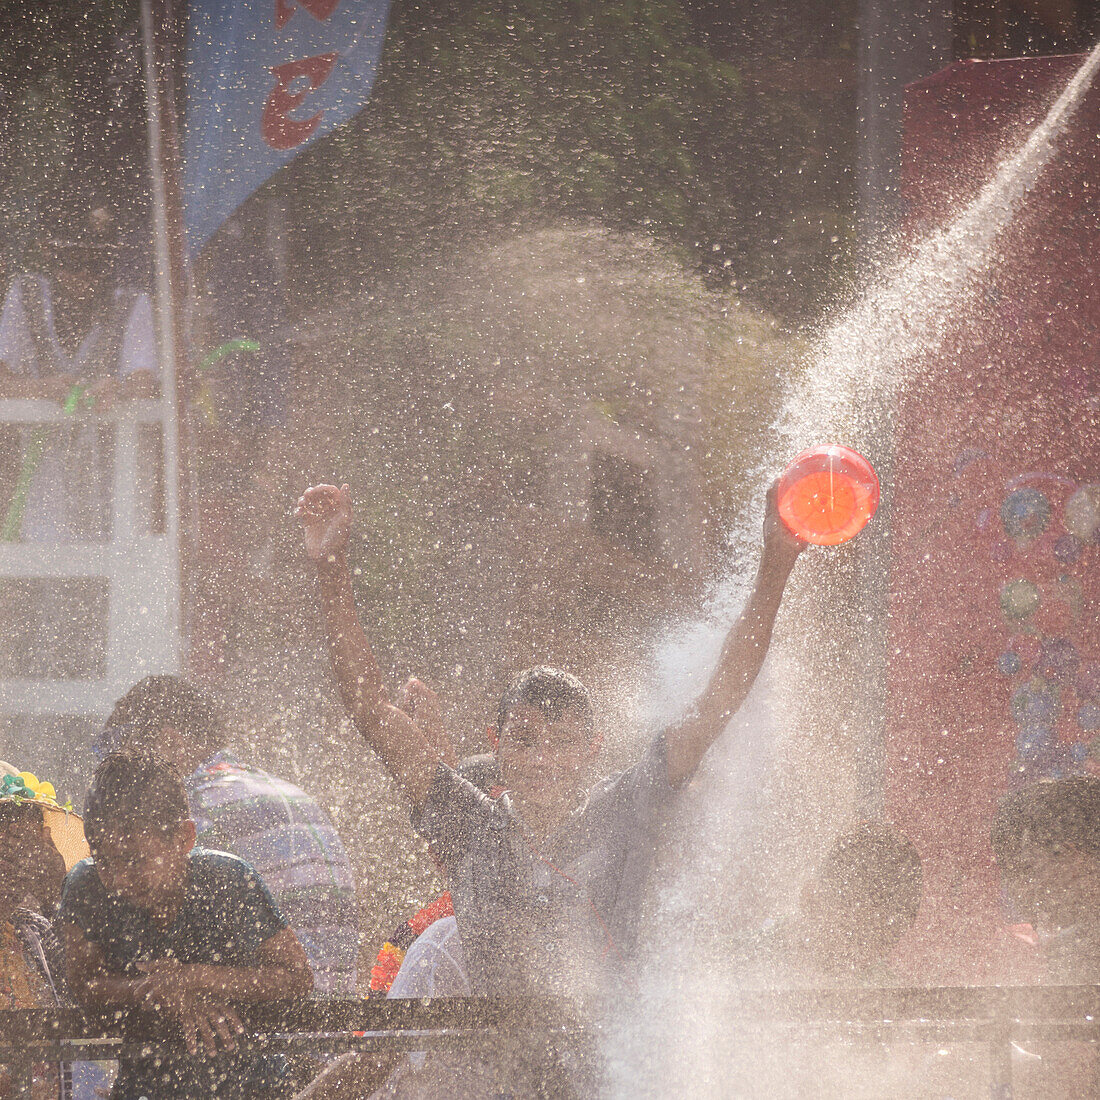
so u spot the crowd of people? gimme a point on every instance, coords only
(193, 883)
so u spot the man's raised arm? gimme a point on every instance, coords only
(743, 652)
(409, 756)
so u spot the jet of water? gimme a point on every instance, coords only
(901, 319)
(851, 374)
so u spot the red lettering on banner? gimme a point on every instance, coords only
(277, 128)
(319, 9)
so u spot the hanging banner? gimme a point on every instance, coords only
(994, 666)
(264, 79)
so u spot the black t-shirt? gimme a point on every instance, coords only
(225, 916)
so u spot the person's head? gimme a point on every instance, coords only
(169, 718)
(1046, 840)
(544, 738)
(863, 898)
(139, 829)
(27, 854)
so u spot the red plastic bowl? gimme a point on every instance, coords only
(827, 494)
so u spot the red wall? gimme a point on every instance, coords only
(994, 631)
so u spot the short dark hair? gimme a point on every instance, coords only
(15, 809)
(551, 690)
(134, 792)
(159, 701)
(880, 861)
(1048, 813)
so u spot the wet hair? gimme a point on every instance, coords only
(1047, 814)
(134, 792)
(12, 809)
(550, 690)
(879, 862)
(159, 701)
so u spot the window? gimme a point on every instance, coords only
(55, 481)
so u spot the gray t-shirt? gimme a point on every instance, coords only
(547, 915)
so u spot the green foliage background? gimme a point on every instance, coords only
(72, 131)
(486, 113)
(512, 113)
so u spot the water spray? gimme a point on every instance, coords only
(855, 366)
(899, 321)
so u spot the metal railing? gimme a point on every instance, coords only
(998, 1017)
(33, 1036)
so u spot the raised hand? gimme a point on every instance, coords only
(742, 653)
(779, 540)
(421, 704)
(325, 515)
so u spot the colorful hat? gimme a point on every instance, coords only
(65, 827)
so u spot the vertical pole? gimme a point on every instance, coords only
(898, 44)
(168, 250)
